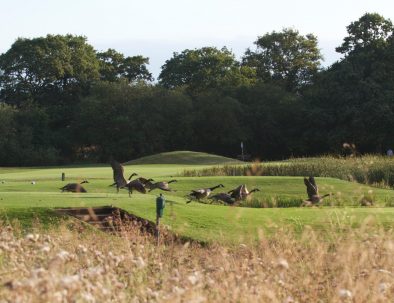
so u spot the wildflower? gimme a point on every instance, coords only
(32, 237)
(283, 263)
(152, 293)
(178, 290)
(64, 255)
(383, 287)
(67, 281)
(139, 262)
(46, 249)
(281, 282)
(193, 279)
(95, 272)
(345, 293)
(385, 271)
(289, 299)
(60, 295)
(39, 272)
(82, 248)
(198, 299)
(4, 246)
(88, 297)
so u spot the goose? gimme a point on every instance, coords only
(160, 185)
(313, 192)
(226, 198)
(202, 193)
(119, 179)
(141, 179)
(138, 185)
(74, 187)
(241, 192)
(365, 201)
(144, 180)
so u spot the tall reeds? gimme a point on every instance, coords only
(373, 170)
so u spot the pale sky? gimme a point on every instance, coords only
(157, 28)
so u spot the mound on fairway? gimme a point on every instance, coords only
(183, 157)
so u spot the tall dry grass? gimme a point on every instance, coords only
(64, 264)
(369, 169)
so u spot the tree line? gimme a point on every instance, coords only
(62, 101)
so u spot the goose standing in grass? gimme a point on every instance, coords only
(241, 192)
(74, 187)
(224, 197)
(160, 185)
(313, 192)
(201, 193)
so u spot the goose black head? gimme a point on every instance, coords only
(84, 181)
(132, 175)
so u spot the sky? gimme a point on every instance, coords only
(158, 28)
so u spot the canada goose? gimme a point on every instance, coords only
(119, 178)
(160, 185)
(138, 185)
(226, 198)
(202, 193)
(128, 180)
(74, 187)
(366, 201)
(241, 192)
(144, 180)
(313, 192)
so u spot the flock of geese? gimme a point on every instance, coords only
(143, 185)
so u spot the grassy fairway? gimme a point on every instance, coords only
(20, 199)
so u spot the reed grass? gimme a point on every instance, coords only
(370, 169)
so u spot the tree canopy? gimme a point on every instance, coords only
(62, 101)
(203, 68)
(285, 57)
(114, 66)
(33, 68)
(370, 31)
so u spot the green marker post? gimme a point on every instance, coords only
(160, 205)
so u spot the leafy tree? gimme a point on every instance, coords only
(26, 137)
(217, 123)
(204, 68)
(370, 31)
(47, 68)
(115, 66)
(130, 121)
(8, 138)
(285, 57)
(271, 121)
(354, 97)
